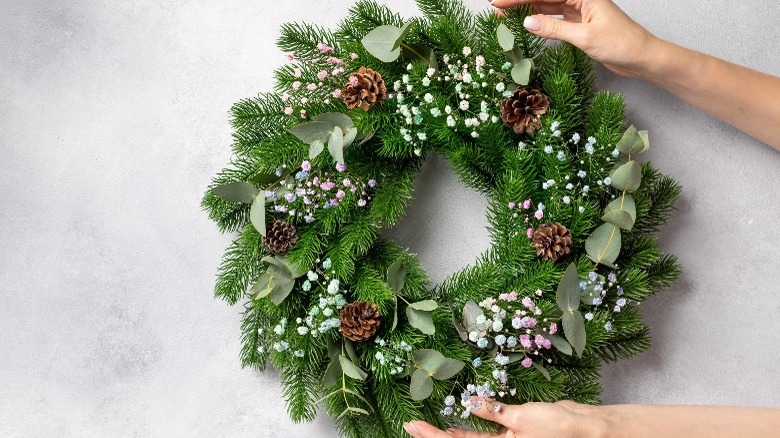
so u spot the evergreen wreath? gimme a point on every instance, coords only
(330, 158)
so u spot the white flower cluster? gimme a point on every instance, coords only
(393, 356)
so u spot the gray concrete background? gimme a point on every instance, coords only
(113, 119)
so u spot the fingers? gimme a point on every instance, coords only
(505, 415)
(421, 429)
(460, 433)
(555, 29)
(511, 3)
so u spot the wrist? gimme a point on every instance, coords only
(600, 423)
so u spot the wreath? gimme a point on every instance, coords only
(329, 159)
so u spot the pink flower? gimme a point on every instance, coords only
(539, 214)
(337, 71)
(327, 185)
(322, 74)
(296, 85)
(371, 182)
(337, 93)
(341, 167)
(353, 80)
(553, 328)
(311, 87)
(340, 194)
(527, 362)
(324, 48)
(334, 60)
(353, 55)
(303, 113)
(527, 203)
(525, 341)
(527, 302)
(539, 340)
(288, 110)
(512, 205)
(304, 100)
(361, 202)
(346, 182)
(306, 166)
(530, 233)
(290, 57)
(326, 101)
(285, 97)
(297, 72)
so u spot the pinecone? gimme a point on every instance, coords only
(552, 240)
(359, 320)
(364, 89)
(280, 238)
(521, 111)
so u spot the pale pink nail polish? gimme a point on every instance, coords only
(410, 428)
(532, 23)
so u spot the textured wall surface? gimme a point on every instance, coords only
(112, 121)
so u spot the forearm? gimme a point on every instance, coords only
(639, 421)
(746, 99)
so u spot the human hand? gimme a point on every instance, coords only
(563, 419)
(598, 27)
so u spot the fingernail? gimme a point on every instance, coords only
(410, 428)
(532, 23)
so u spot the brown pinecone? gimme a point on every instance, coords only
(364, 89)
(521, 111)
(280, 238)
(552, 240)
(359, 320)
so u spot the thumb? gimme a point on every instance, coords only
(554, 28)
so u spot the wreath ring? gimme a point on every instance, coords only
(330, 158)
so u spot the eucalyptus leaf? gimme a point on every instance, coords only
(471, 311)
(603, 246)
(380, 42)
(574, 329)
(436, 364)
(627, 176)
(350, 136)
(631, 143)
(589, 295)
(568, 294)
(336, 145)
(315, 149)
(448, 369)
(349, 347)
(264, 284)
(332, 374)
(396, 275)
(237, 191)
(560, 344)
(257, 214)
(428, 359)
(418, 52)
(334, 349)
(542, 370)
(309, 132)
(420, 320)
(395, 315)
(427, 305)
(421, 385)
(283, 285)
(363, 137)
(404, 31)
(621, 218)
(462, 332)
(506, 39)
(351, 369)
(335, 119)
(626, 203)
(645, 139)
(264, 178)
(521, 71)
